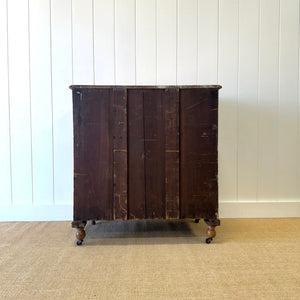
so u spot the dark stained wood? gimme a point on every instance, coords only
(136, 155)
(154, 137)
(119, 133)
(171, 131)
(80, 235)
(145, 152)
(198, 153)
(92, 155)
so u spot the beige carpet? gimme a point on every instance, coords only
(249, 259)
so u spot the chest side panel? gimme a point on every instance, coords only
(93, 175)
(198, 153)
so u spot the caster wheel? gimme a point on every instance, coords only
(208, 240)
(197, 220)
(93, 222)
(79, 242)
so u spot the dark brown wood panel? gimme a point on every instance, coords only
(136, 155)
(92, 154)
(171, 125)
(198, 153)
(145, 152)
(119, 132)
(154, 138)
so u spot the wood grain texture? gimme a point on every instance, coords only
(145, 153)
(154, 137)
(136, 155)
(92, 155)
(119, 155)
(171, 131)
(198, 153)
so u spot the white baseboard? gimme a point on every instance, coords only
(16, 213)
(259, 210)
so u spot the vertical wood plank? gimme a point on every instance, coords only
(248, 100)
(93, 177)
(5, 174)
(104, 38)
(83, 49)
(119, 133)
(198, 153)
(268, 101)
(146, 42)
(136, 155)
(61, 37)
(41, 101)
(171, 125)
(288, 99)
(125, 59)
(154, 137)
(208, 15)
(187, 56)
(20, 114)
(228, 78)
(166, 42)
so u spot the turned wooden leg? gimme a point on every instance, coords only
(80, 233)
(211, 232)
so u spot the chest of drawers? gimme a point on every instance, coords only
(145, 153)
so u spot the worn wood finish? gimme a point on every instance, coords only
(198, 153)
(145, 153)
(154, 137)
(136, 155)
(171, 131)
(92, 154)
(119, 155)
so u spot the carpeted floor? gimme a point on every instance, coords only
(249, 259)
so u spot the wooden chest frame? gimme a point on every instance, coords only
(145, 153)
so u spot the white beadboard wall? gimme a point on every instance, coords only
(250, 47)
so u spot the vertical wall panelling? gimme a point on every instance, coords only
(83, 47)
(248, 99)
(125, 36)
(5, 176)
(208, 18)
(41, 102)
(288, 92)
(250, 47)
(166, 41)
(268, 101)
(61, 37)
(228, 78)
(104, 41)
(187, 56)
(298, 128)
(20, 108)
(146, 42)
